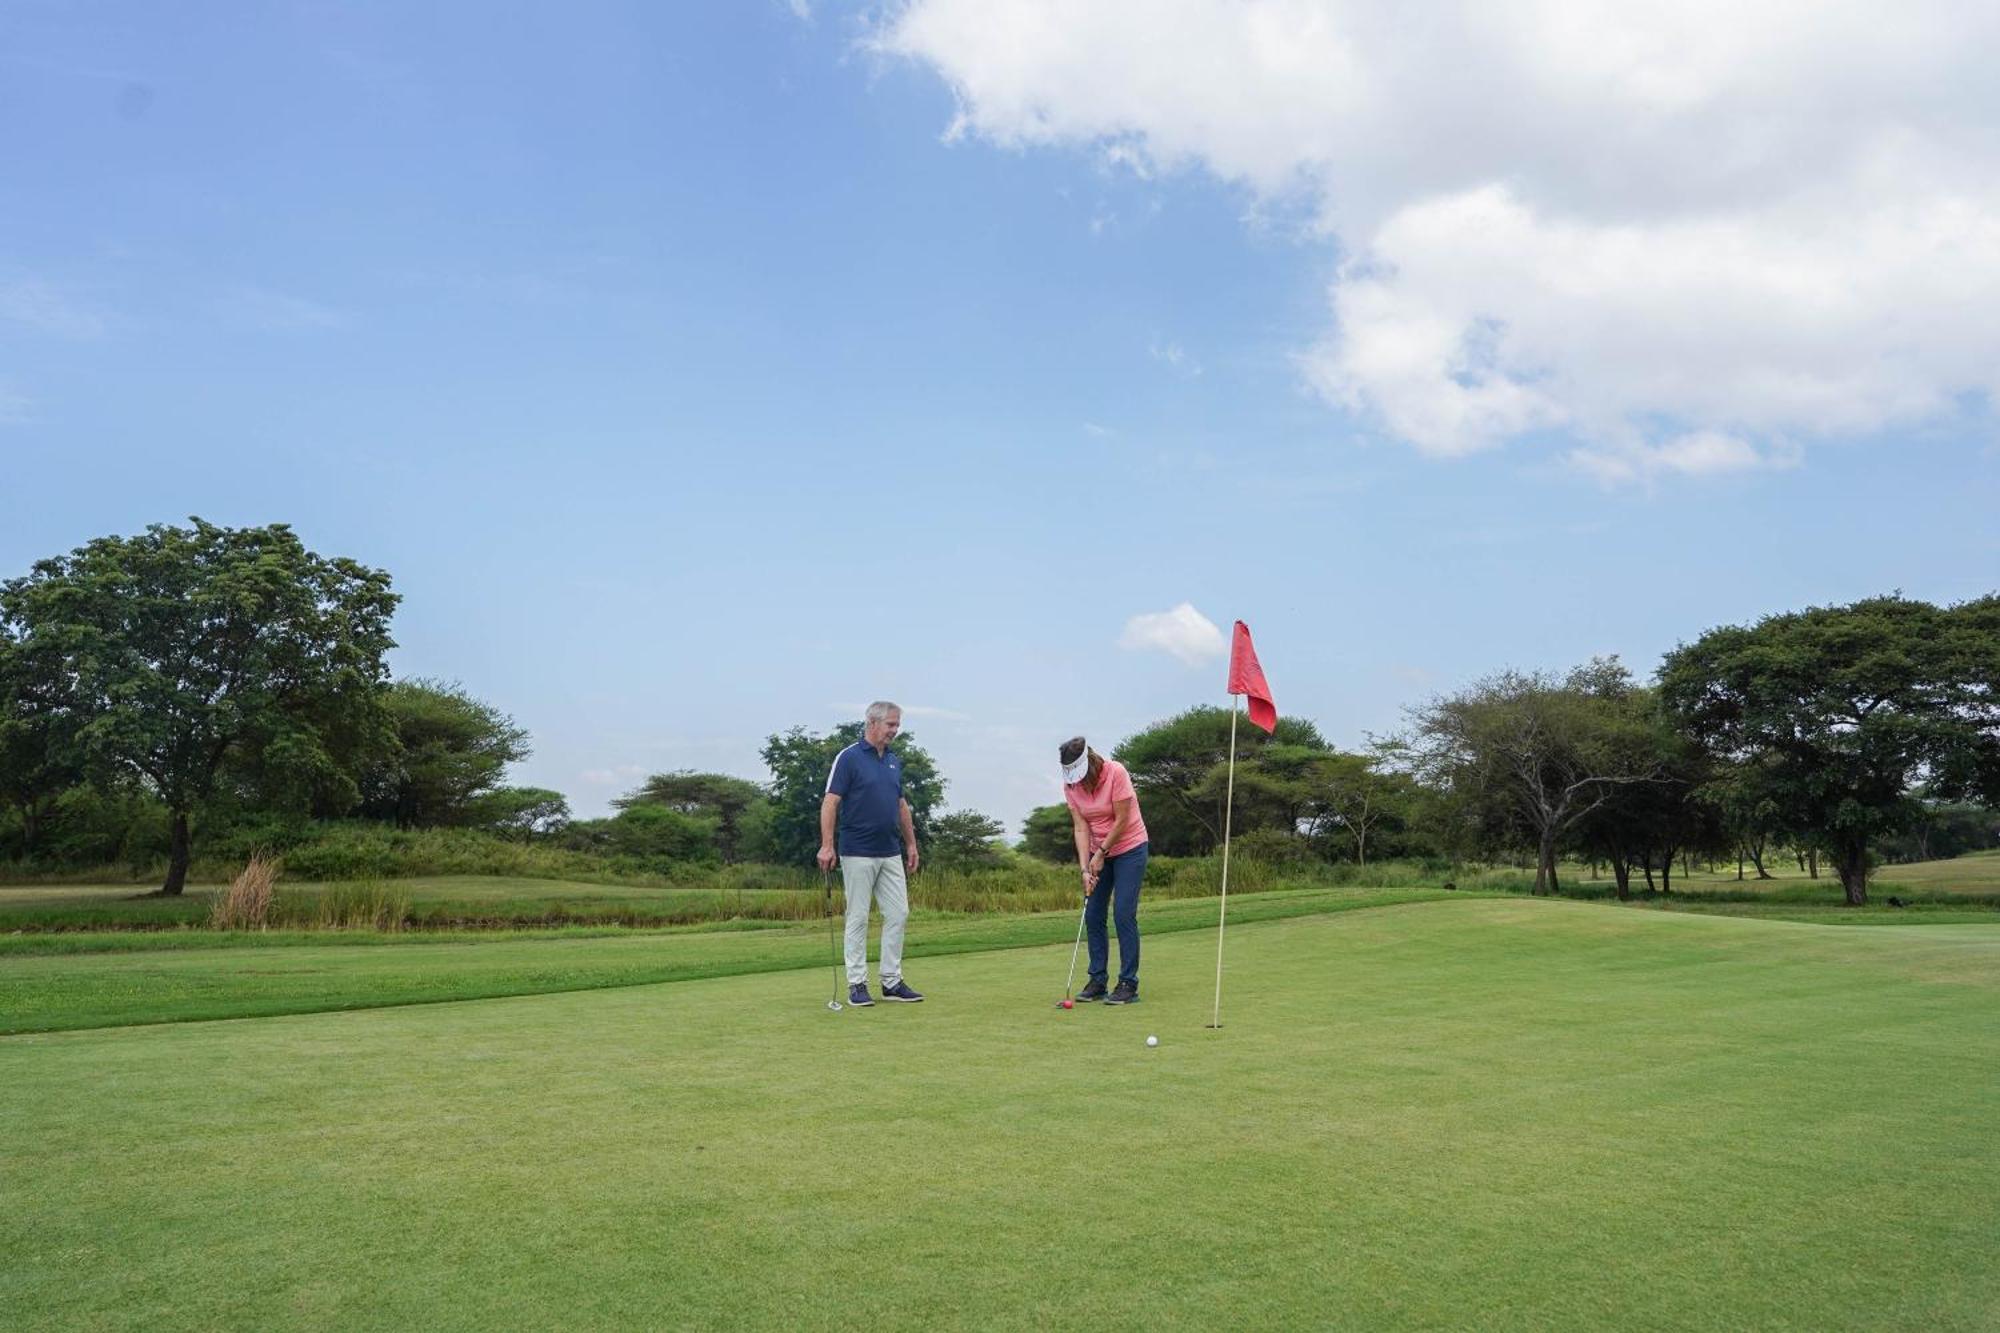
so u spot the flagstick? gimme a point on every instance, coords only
(1228, 808)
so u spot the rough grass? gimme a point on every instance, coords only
(1967, 888)
(246, 903)
(741, 893)
(1502, 1114)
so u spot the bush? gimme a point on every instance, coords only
(1272, 846)
(646, 834)
(354, 851)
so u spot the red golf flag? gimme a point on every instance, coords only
(1247, 677)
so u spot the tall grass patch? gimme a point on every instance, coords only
(246, 903)
(366, 905)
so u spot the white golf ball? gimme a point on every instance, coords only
(1152, 1041)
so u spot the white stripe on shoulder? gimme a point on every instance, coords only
(835, 769)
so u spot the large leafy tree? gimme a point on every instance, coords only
(1943, 829)
(1355, 798)
(181, 650)
(39, 757)
(964, 840)
(654, 834)
(1047, 834)
(526, 813)
(1179, 768)
(1534, 755)
(451, 749)
(1842, 710)
(717, 796)
(799, 761)
(1646, 824)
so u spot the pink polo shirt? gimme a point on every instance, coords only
(1099, 807)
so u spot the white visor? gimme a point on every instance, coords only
(1073, 773)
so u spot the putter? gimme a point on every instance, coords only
(1068, 1000)
(833, 940)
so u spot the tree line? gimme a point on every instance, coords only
(1853, 733)
(1850, 733)
(193, 679)
(209, 678)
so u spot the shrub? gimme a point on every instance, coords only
(1272, 846)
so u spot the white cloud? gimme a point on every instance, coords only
(1184, 632)
(16, 409)
(1651, 229)
(1174, 357)
(852, 711)
(47, 309)
(276, 312)
(1701, 453)
(939, 714)
(617, 776)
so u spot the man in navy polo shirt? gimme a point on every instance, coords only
(878, 842)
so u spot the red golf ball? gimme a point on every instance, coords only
(1069, 1004)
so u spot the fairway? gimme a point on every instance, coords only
(1496, 1114)
(1973, 875)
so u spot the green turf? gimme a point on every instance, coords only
(1498, 1114)
(46, 984)
(1976, 874)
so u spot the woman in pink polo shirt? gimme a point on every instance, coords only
(1111, 851)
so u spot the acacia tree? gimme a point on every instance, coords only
(1645, 824)
(1843, 709)
(1180, 770)
(1534, 752)
(963, 840)
(1047, 834)
(526, 813)
(717, 796)
(39, 759)
(1358, 794)
(181, 649)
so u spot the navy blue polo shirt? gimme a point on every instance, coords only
(870, 788)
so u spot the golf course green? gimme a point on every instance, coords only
(1467, 1114)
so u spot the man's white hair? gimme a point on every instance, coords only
(879, 711)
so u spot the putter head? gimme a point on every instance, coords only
(834, 1005)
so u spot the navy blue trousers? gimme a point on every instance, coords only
(1117, 891)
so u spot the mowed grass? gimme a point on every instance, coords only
(1976, 872)
(1975, 875)
(1466, 1114)
(50, 982)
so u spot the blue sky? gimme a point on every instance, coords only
(703, 370)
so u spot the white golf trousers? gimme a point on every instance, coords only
(880, 879)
